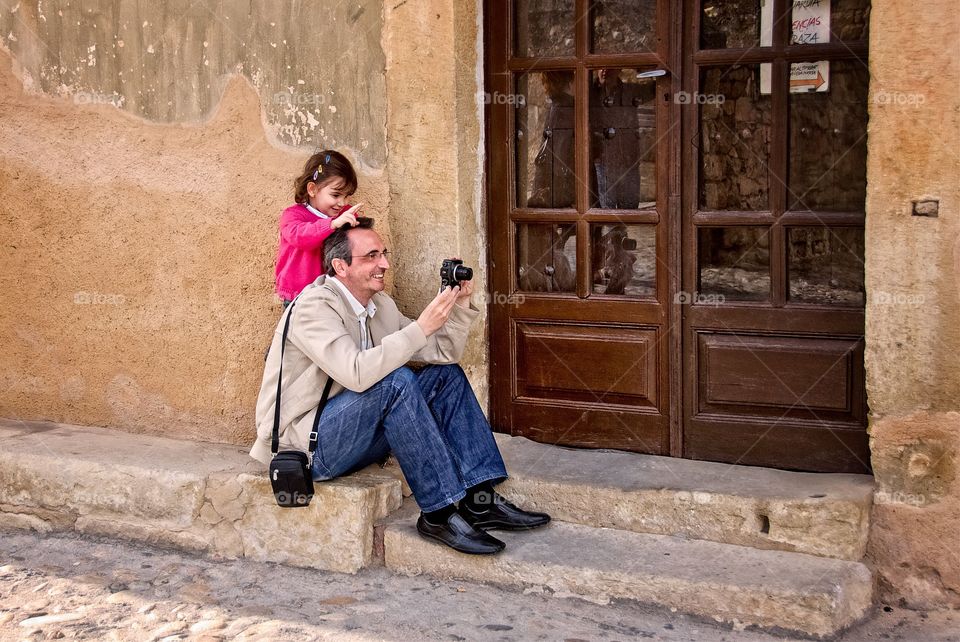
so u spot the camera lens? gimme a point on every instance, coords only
(461, 273)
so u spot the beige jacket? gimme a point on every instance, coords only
(324, 339)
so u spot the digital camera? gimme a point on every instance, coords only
(452, 272)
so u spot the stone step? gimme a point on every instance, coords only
(210, 498)
(820, 514)
(813, 596)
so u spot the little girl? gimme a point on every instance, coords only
(320, 193)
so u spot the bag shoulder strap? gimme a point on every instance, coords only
(275, 442)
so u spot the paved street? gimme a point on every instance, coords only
(73, 587)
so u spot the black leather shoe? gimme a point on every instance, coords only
(503, 515)
(460, 536)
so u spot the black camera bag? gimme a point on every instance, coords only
(291, 479)
(290, 471)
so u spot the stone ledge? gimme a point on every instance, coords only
(813, 596)
(203, 497)
(820, 514)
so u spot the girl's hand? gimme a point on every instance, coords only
(353, 210)
(348, 217)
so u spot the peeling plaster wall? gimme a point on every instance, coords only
(318, 68)
(139, 233)
(148, 149)
(913, 308)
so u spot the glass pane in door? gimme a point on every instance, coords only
(735, 128)
(828, 140)
(730, 24)
(545, 139)
(624, 259)
(547, 257)
(624, 26)
(623, 140)
(733, 263)
(544, 28)
(826, 265)
(830, 21)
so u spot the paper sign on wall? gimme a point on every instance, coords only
(810, 25)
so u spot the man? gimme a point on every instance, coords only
(344, 326)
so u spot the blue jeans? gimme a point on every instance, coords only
(430, 420)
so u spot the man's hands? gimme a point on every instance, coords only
(463, 296)
(438, 311)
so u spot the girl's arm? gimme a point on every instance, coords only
(302, 232)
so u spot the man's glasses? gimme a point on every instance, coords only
(374, 255)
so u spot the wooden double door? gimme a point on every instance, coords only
(676, 213)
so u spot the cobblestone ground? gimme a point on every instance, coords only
(72, 587)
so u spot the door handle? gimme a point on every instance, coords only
(653, 73)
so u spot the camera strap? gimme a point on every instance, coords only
(275, 443)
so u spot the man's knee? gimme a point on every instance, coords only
(402, 378)
(449, 371)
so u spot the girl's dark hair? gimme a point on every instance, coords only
(321, 168)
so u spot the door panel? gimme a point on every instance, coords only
(564, 361)
(754, 442)
(594, 426)
(780, 376)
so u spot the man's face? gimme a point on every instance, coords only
(364, 276)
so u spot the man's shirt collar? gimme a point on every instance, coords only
(358, 308)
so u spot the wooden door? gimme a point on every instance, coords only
(642, 289)
(580, 150)
(774, 183)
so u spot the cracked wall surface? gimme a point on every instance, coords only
(137, 275)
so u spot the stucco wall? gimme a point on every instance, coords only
(913, 311)
(435, 147)
(139, 232)
(148, 151)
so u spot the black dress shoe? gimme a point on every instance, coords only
(503, 515)
(460, 536)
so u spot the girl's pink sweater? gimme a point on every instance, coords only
(300, 256)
